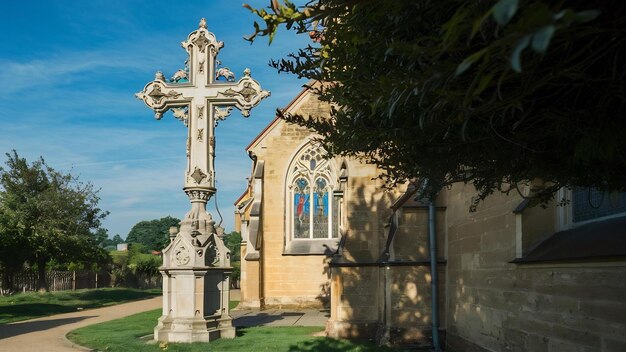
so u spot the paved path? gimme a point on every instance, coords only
(48, 334)
(280, 317)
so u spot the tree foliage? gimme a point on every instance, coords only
(103, 240)
(154, 234)
(232, 241)
(496, 93)
(134, 267)
(46, 216)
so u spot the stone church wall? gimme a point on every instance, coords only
(389, 299)
(356, 289)
(286, 280)
(411, 295)
(494, 305)
(354, 302)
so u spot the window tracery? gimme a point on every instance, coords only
(313, 207)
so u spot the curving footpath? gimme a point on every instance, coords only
(48, 333)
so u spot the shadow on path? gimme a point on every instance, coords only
(260, 319)
(26, 311)
(14, 329)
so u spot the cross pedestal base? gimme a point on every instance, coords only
(195, 305)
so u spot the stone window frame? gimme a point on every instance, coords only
(313, 246)
(565, 214)
(321, 169)
(550, 236)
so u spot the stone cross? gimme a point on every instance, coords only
(200, 100)
(196, 264)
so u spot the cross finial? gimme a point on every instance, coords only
(202, 23)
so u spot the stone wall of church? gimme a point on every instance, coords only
(250, 285)
(493, 305)
(354, 302)
(304, 280)
(357, 288)
(411, 296)
(390, 302)
(286, 280)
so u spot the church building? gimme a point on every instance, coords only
(324, 233)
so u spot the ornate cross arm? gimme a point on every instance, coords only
(198, 83)
(160, 96)
(247, 94)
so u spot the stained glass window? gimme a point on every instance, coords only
(590, 203)
(320, 213)
(301, 208)
(314, 211)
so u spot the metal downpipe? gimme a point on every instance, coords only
(434, 282)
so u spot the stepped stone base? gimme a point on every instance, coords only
(189, 330)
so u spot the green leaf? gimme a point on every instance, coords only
(467, 63)
(516, 63)
(463, 66)
(504, 10)
(484, 82)
(541, 38)
(586, 16)
(479, 22)
(451, 28)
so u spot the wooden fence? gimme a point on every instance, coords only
(58, 281)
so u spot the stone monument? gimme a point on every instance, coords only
(196, 264)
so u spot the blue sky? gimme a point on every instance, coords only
(69, 71)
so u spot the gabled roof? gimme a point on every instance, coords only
(245, 193)
(291, 106)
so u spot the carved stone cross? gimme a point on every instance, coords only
(199, 99)
(196, 264)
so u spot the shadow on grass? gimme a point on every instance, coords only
(15, 329)
(241, 331)
(324, 344)
(108, 296)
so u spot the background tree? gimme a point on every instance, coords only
(134, 267)
(154, 234)
(117, 239)
(103, 240)
(13, 245)
(496, 93)
(101, 236)
(232, 241)
(52, 215)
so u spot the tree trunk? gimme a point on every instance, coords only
(42, 285)
(7, 281)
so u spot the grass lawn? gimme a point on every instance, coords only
(29, 305)
(124, 335)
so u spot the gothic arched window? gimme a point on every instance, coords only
(313, 210)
